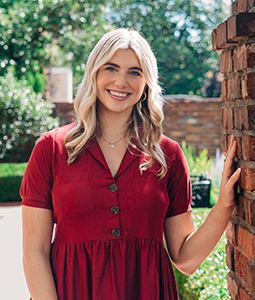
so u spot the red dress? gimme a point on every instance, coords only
(108, 240)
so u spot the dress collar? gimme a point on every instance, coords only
(129, 157)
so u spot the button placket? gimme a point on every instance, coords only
(115, 210)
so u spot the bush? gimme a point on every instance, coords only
(10, 181)
(208, 167)
(24, 117)
(198, 165)
(210, 279)
(183, 286)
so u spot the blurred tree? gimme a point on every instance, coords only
(24, 117)
(43, 33)
(180, 35)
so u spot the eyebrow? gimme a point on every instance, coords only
(117, 66)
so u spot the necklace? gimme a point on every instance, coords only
(112, 145)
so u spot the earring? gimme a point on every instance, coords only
(144, 97)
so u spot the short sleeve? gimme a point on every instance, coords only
(37, 182)
(179, 185)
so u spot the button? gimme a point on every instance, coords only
(114, 209)
(113, 187)
(115, 232)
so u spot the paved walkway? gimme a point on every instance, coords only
(12, 280)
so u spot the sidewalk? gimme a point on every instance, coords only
(12, 280)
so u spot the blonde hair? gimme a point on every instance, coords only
(147, 114)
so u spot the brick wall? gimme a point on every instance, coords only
(65, 112)
(196, 121)
(235, 38)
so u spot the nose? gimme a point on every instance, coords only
(121, 80)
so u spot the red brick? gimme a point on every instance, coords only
(250, 271)
(240, 26)
(238, 87)
(231, 89)
(234, 7)
(240, 264)
(237, 60)
(231, 233)
(224, 90)
(248, 86)
(232, 287)
(248, 55)
(244, 57)
(239, 147)
(221, 35)
(251, 117)
(250, 211)
(248, 146)
(231, 120)
(247, 178)
(245, 117)
(225, 118)
(219, 38)
(243, 295)
(234, 88)
(246, 241)
(226, 65)
(214, 41)
(238, 117)
(242, 6)
(240, 208)
(230, 260)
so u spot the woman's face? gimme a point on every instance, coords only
(120, 82)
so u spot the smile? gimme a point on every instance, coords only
(118, 94)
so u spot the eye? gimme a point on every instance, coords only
(135, 73)
(110, 69)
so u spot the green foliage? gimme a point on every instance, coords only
(180, 35)
(37, 80)
(10, 181)
(24, 116)
(183, 289)
(210, 279)
(38, 34)
(215, 188)
(200, 164)
(9, 188)
(12, 169)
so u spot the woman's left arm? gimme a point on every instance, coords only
(188, 247)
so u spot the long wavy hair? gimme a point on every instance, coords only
(144, 129)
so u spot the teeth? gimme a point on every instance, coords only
(118, 94)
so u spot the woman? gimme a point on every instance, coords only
(113, 185)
